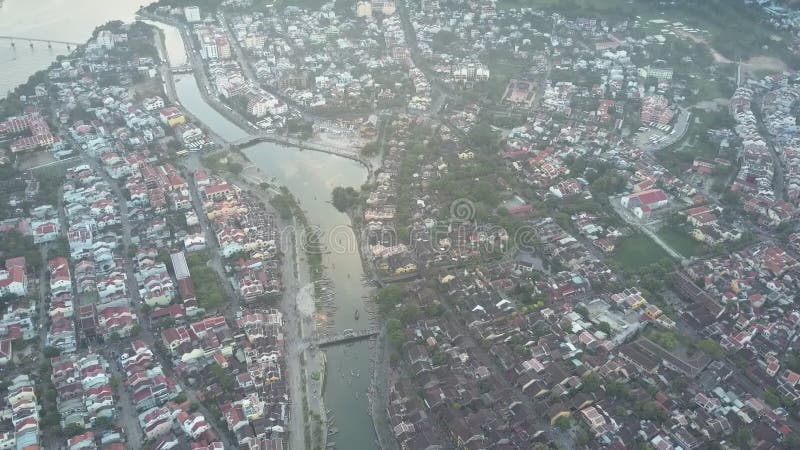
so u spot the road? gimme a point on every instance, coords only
(295, 276)
(215, 261)
(129, 419)
(679, 132)
(777, 164)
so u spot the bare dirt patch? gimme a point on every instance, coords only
(764, 63)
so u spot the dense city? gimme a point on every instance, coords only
(412, 225)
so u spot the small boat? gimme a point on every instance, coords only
(357, 314)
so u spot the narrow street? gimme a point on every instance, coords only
(215, 262)
(130, 418)
(777, 164)
(292, 325)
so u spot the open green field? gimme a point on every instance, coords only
(637, 251)
(679, 241)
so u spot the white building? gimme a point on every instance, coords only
(105, 38)
(192, 14)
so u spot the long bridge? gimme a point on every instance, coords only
(346, 336)
(30, 40)
(254, 139)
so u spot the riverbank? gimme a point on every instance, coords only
(253, 135)
(168, 83)
(309, 176)
(200, 74)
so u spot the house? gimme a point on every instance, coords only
(14, 279)
(593, 419)
(642, 203)
(7, 441)
(45, 231)
(60, 278)
(172, 116)
(83, 441)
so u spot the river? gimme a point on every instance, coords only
(311, 176)
(63, 20)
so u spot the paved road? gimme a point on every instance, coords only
(146, 334)
(215, 262)
(777, 164)
(679, 132)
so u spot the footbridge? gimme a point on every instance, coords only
(254, 139)
(186, 68)
(345, 337)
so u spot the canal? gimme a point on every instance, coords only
(311, 176)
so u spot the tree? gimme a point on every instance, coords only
(617, 389)
(51, 352)
(771, 398)
(710, 348)
(50, 420)
(481, 136)
(605, 327)
(666, 339)
(223, 377)
(580, 309)
(73, 430)
(344, 199)
(370, 149)
(389, 297)
(395, 331)
(563, 422)
(650, 411)
(104, 423)
(14, 243)
(742, 438)
(590, 383)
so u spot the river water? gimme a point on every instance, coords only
(62, 20)
(311, 176)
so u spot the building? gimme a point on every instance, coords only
(172, 116)
(642, 203)
(364, 9)
(661, 74)
(105, 39)
(180, 266)
(14, 280)
(192, 14)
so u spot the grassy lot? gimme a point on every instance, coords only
(637, 251)
(680, 241)
(207, 284)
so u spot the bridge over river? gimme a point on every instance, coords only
(31, 41)
(254, 139)
(345, 337)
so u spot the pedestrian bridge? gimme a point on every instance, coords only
(345, 337)
(186, 68)
(254, 139)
